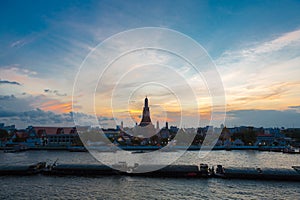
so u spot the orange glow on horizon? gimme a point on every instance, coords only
(57, 106)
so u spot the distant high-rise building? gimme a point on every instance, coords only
(146, 120)
(222, 126)
(157, 124)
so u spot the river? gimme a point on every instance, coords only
(122, 187)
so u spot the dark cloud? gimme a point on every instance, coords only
(102, 118)
(265, 118)
(36, 117)
(39, 117)
(20, 111)
(12, 103)
(85, 119)
(6, 113)
(7, 97)
(9, 82)
(294, 107)
(55, 92)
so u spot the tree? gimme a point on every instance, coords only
(3, 134)
(248, 136)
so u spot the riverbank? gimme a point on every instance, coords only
(152, 148)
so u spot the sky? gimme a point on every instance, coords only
(255, 46)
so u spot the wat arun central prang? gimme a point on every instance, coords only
(146, 120)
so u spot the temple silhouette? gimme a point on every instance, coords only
(145, 129)
(146, 120)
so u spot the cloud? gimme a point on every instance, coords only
(29, 79)
(294, 107)
(253, 52)
(263, 75)
(26, 102)
(13, 104)
(55, 92)
(265, 118)
(36, 117)
(19, 70)
(279, 43)
(7, 97)
(102, 118)
(6, 113)
(32, 87)
(39, 117)
(25, 40)
(40, 110)
(18, 43)
(9, 82)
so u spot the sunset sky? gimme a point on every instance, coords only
(255, 46)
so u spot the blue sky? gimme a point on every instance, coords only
(255, 45)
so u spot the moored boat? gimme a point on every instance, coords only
(22, 169)
(292, 174)
(15, 149)
(79, 170)
(77, 149)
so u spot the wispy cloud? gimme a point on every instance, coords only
(56, 92)
(255, 52)
(26, 40)
(9, 82)
(33, 84)
(279, 43)
(263, 75)
(19, 43)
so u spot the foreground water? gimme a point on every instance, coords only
(42, 187)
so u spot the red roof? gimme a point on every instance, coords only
(21, 134)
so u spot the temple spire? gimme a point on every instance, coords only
(146, 102)
(146, 120)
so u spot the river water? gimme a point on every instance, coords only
(122, 187)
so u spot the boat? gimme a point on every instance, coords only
(107, 149)
(15, 149)
(79, 170)
(291, 151)
(173, 171)
(77, 149)
(141, 151)
(22, 169)
(292, 174)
